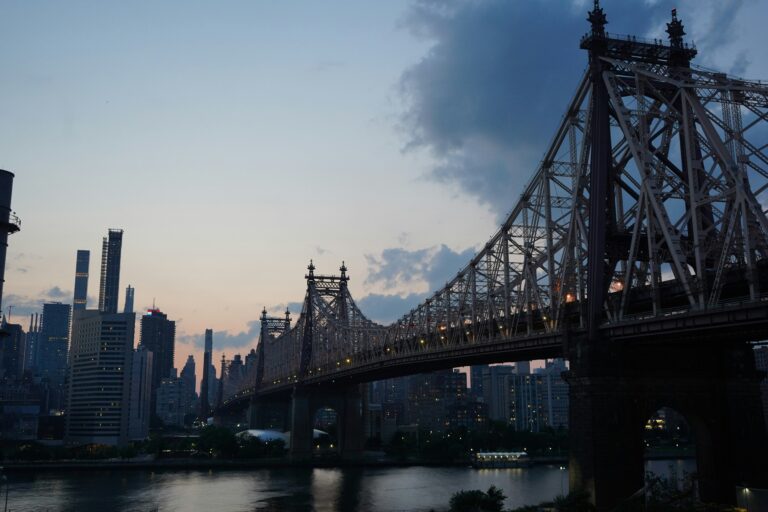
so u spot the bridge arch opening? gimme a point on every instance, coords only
(670, 456)
(326, 431)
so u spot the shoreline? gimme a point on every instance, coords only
(235, 464)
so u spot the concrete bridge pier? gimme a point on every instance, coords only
(301, 425)
(615, 389)
(347, 402)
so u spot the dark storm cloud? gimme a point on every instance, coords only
(488, 95)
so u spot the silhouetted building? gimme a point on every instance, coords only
(101, 358)
(158, 335)
(31, 343)
(128, 307)
(52, 345)
(109, 286)
(232, 378)
(170, 400)
(80, 300)
(496, 391)
(189, 381)
(205, 384)
(476, 379)
(141, 394)
(11, 351)
(472, 414)
(540, 400)
(431, 395)
(52, 353)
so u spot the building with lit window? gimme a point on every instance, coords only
(101, 358)
(80, 300)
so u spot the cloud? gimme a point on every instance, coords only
(24, 305)
(223, 340)
(57, 293)
(486, 98)
(398, 269)
(386, 309)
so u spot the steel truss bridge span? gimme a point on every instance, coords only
(638, 250)
(684, 229)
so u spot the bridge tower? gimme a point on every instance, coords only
(306, 400)
(615, 386)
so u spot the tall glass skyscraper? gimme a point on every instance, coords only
(205, 385)
(158, 335)
(109, 287)
(52, 346)
(128, 306)
(81, 280)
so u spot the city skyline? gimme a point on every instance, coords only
(265, 211)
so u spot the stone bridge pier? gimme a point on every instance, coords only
(616, 387)
(347, 402)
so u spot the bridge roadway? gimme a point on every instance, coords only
(735, 321)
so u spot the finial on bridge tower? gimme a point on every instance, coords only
(675, 31)
(287, 319)
(343, 269)
(311, 268)
(263, 315)
(598, 20)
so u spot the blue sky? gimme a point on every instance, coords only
(233, 140)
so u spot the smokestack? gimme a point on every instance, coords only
(9, 223)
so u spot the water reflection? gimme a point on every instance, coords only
(284, 490)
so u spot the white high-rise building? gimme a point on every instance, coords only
(101, 357)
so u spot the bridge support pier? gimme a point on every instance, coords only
(347, 402)
(615, 389)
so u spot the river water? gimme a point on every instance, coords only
(286, 489)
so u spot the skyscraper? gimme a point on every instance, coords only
(31, 343)
(11, 351)
(496, 392)
(205, 385)
(189, 379)
(128, 307)
(109, 287)
(52, 344)
(158, 335)
(141, 394)
(82, 263)
(99, 378)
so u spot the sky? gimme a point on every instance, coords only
(234, 141)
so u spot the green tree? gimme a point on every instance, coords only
(218, 441)
(478, 501)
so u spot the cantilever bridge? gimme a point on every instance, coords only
(638, 250)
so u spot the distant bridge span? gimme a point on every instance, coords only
(638, 250)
